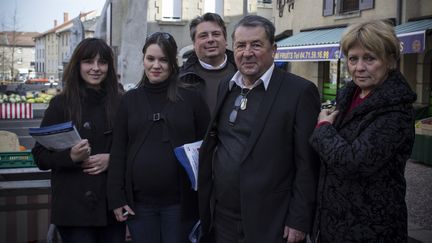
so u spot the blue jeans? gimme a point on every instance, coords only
(157, 224)
(113, 233)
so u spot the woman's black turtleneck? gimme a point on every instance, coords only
(155, 168)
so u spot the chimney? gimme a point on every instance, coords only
(55, 23)
(65, 17)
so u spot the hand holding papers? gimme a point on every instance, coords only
(56, 137)
(188, 157)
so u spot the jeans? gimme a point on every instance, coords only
(158, 224)
(113, 233)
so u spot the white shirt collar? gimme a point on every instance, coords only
(265, 79)
(211, 67)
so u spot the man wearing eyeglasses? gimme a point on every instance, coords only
(210, 62)
(258, 174)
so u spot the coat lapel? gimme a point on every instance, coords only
(212, 129)
(264, 110)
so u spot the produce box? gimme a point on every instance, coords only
(424, 126)
(22, 159)
(16, 111)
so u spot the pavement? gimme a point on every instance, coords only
(419, 201)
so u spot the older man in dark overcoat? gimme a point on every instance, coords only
(258, 174)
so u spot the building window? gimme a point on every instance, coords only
(340, 7)
(171, 10)
(348, 6)
(19, 50)
(211, 6)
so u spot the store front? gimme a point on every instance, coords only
(416, 46)
(316, 55)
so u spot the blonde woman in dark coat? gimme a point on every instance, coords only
(365, 143)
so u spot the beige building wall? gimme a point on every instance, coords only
(24, 56)
(416, 8)
(309, 14)
(52, 50)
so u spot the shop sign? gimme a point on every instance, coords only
(308, 53)
(412, 42)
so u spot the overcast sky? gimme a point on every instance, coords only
(39, 15)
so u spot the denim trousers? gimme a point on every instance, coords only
(157, 224)
(113, 233)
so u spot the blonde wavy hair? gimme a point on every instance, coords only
(377, 36)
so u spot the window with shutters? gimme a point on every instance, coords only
(171, 10)
(343, 7)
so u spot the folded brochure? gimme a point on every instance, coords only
(188, 156)
(56, 137)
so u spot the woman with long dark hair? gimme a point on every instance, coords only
(78, 175)
(147, 187)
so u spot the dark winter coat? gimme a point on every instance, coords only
(279, 169)
(206, 86)
(78, 199)
(186, 122)
(363, 155)
(188, 73)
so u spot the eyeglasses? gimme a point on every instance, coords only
(233, 115)
(164, 35)
(329, 105)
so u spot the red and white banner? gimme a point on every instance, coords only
(16, 111)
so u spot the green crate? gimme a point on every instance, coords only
(22, 159)
(329, 91)
(328, 97)
(421, 150)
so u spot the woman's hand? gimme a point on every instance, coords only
(327, 115)
(292, 235)
(122, 213)
(81, 151)
(96, 164)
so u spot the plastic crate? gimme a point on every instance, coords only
(22, 159)
(424, 126)
(421, 150)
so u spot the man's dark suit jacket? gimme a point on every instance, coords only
(279, 170)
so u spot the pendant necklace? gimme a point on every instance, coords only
(243, 101)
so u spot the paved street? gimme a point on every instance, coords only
(419, 201)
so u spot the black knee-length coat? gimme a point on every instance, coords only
(361, 192)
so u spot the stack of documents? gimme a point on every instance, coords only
(56, 137)
(188, 156)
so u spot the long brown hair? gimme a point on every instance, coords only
(74, 90)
